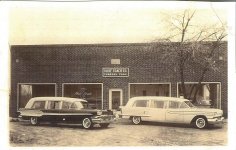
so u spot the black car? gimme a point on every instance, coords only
(64, 110)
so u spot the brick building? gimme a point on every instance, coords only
(106, 75)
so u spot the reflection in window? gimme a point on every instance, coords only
(207, 95)
(90, 92)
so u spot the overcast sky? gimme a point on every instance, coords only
(101, 22)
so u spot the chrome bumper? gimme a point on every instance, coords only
(103, 119)
(216, 120)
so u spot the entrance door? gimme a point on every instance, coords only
(115, 98)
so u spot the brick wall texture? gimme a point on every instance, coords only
(83, 64)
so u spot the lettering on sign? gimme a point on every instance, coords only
(115, 72)
(83, 93)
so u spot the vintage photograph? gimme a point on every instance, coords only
(134, 73)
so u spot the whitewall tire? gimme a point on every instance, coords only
(34, 121)
(87, 123)
(136, 120)
(200, 123)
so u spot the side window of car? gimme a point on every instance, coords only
(183, 105)
(66, 105)
(73, 106)
(157, 104)
(39, 105)
(77, 105)
(53, 104)
(141, 103)
(173, 105)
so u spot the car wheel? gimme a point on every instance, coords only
(87, 123)
(104, 125)
(200, 123)
(34, 121)
(136, 120)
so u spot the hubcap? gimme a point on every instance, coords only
(33, 120)
(200, 122)
(86, 123)
(136, 120)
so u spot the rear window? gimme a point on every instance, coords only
(141, 103)
(39, 105)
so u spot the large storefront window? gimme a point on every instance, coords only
(27, 91)
(90, 92)
(149, 90)
(208, 94)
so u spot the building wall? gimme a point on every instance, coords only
(83, 64)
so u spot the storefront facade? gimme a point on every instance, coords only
(106, 75)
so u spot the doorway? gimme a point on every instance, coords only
(115, 98)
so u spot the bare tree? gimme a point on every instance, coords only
(190, 50)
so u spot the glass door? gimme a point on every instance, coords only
(115, 98)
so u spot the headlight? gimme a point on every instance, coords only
(99, 112)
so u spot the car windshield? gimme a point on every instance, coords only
(189, 103)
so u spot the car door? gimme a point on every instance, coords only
(52, 111)
(157, 111)
(72, 112)
(173, 113)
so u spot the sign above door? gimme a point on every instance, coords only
(115, 72)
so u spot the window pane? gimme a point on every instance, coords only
(77, 105)
(28, 91)
(207, 95)
(149, 90)
(73, 106)
(39, 105)
(184, 105)
(66, 105)
(158, 104)
(25, 95)
(173, 104)
(90, 92)
(53, 104)
(141, 103)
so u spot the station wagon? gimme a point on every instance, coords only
(64, 110)
(169, 110)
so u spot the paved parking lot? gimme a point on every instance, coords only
(120, 133)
